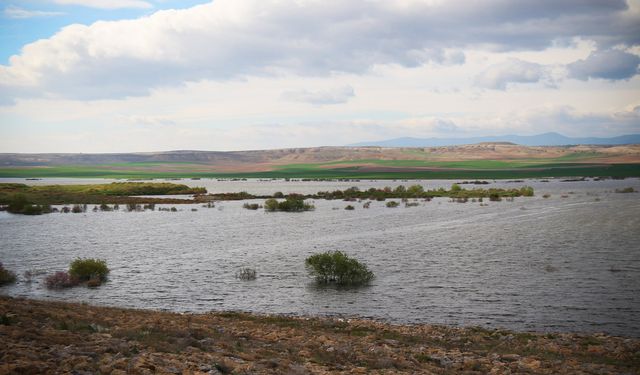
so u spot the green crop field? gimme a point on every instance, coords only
(487, 169)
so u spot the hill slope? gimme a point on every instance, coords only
(337, 162)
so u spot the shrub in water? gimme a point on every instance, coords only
(349, 207)
(271, 204)
(291, 204)
(6, 276)
(336, 267)
(60, 280)
(247, 274)
(251, 206)
(626, 190)
(392, 204)
(94, 282)
(87, 269)
(495, 197)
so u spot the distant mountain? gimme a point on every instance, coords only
(546, 139)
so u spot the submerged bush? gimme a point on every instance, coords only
(251, 206)
(60, 280)
(6, 276)
(291, 204)
(526, 191)
(79, 208)
(336, 267)
(18, 204)
(247, 274)
(349, 208)
(626, 190)
(392, 204)
(89, 268)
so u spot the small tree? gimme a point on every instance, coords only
(336, 267)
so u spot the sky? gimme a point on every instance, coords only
(156, 75)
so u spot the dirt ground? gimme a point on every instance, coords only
(40, 337)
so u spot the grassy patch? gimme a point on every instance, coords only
(98, 193)
(577, 164)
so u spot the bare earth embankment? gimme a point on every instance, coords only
(41, 337)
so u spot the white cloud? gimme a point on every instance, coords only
(499, 76)
(107, 4)
(337, 95)
(233, 39)
(20, 13)
(610, 64)
(153, 121)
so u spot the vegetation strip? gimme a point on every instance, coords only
(35, 200)
(381, 169)
(25, 199)
(54, 337)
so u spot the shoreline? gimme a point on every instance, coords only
(48, 337)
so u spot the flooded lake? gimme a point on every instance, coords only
(570, 262)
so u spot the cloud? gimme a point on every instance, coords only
(19, 13)
(107, 4)
(610, 64)
(499, 76)
(336, 95)
(153, 121)
(428, 125)
(234, 39)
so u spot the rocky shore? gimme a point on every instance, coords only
(42, 337)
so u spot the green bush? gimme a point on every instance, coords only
(271, 204)
(526, 191)
(89, 268)
(291, 204)
(392, 204)
(336, 267)
(6, 276)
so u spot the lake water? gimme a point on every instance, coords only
(556, 264)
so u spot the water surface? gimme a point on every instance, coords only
(556, 264)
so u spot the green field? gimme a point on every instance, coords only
(474, 169)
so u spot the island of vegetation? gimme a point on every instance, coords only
(35, 200)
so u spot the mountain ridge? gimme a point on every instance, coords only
(543, 139)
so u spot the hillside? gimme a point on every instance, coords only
(331, 162)
(545, 139)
